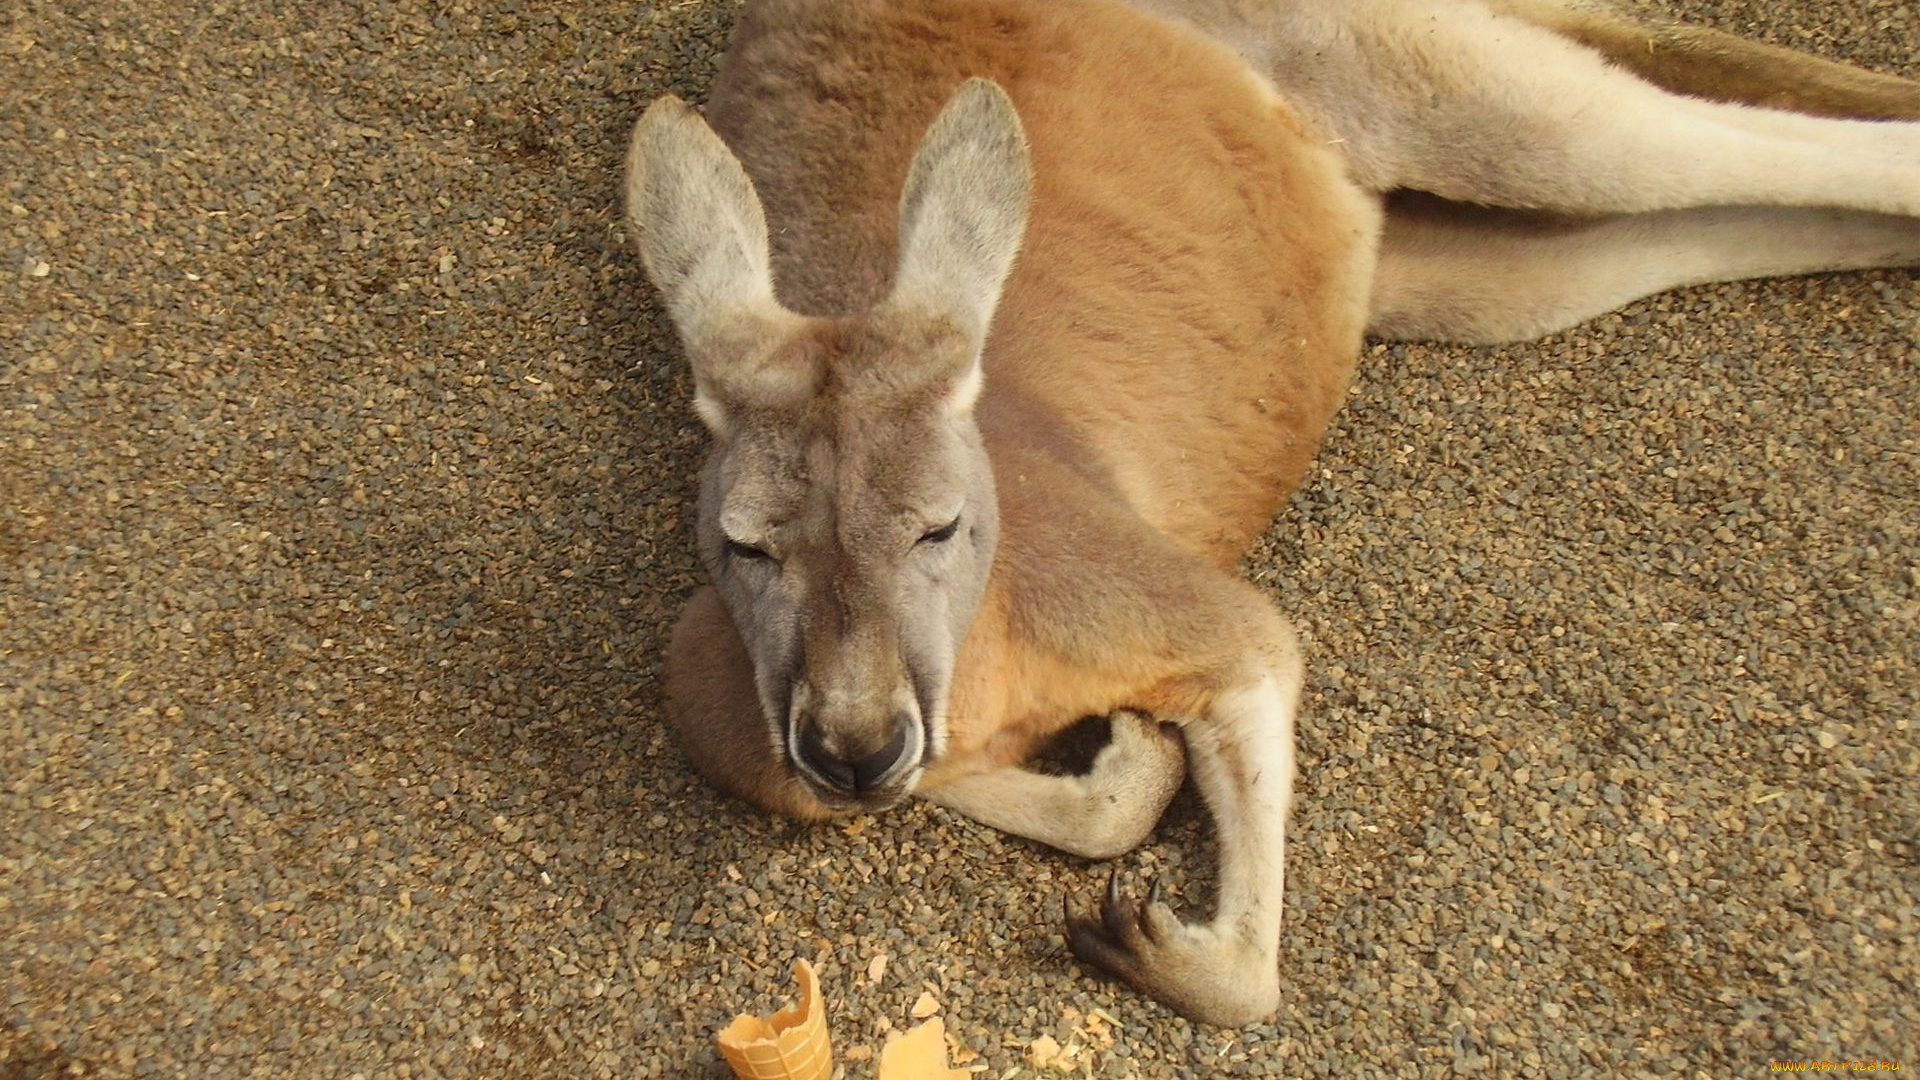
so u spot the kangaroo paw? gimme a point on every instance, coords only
(1142, 766)
(1203, 973)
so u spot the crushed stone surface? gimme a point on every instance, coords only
(347, 473)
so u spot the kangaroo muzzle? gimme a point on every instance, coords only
(864, 749)
(857, 771)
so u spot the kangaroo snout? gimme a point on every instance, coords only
(858, 767)
(859, 747)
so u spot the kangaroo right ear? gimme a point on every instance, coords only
(964, 207)
(703, 235)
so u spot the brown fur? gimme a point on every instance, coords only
(1126, 219)
(1199, 263)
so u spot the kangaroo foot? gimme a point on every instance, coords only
(1204, 972)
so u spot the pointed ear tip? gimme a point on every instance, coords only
(665, 107)
(661, 129)
(980, 92)
(981, 105)
(663, 113)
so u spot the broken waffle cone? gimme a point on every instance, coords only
(920, 1054)
(789, 1045)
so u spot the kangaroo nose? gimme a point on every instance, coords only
(856, 775)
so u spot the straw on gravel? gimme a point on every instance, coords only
(346, 484)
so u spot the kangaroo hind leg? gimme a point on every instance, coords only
(1477, 106)
(1703, 62)
(1449, 272)
(1240, 746)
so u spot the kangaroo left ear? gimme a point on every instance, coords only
(964, 209)
(700, 228)
(696, 219)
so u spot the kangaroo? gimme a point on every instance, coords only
(1014, 323)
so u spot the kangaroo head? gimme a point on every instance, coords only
(847, 509)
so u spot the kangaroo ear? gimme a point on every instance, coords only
(700, 229)
(964, 208)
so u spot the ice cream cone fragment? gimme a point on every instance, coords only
(920, 1054)
(789, 1045)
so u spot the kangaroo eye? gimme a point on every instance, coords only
(738, 550)
(942, 534)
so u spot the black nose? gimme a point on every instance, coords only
(856, 775)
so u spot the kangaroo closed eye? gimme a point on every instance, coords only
(736, 549)
(942, 534)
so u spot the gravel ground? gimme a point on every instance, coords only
(347, 473)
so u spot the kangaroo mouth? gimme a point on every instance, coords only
(869, 800)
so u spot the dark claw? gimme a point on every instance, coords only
(1113, 940)
(1143, 914)
(1094, 944)
(1112, 911)
(1094, 948)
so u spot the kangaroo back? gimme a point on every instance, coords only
(1190, 295)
